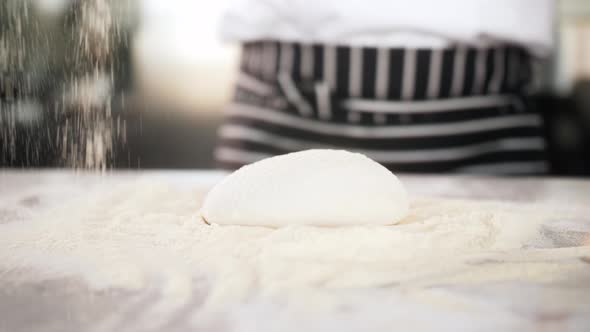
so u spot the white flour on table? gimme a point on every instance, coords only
(149, 235)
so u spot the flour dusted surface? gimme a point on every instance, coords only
(148, 233)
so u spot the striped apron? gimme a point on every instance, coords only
(458, 109)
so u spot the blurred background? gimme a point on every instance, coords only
(165, 77)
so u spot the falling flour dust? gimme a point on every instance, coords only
(136, 236)
(79, 128)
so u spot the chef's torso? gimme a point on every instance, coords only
(393, 23)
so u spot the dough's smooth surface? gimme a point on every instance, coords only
(313, 187)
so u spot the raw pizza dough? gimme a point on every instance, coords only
(313, 187)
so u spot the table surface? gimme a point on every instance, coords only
(67, 305)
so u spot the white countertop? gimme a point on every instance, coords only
(68, 305)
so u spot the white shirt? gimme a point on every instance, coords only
(393, 23)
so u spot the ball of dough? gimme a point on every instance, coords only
(313, 187)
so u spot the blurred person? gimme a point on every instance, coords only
(419, 86)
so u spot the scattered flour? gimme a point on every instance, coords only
(137, 236)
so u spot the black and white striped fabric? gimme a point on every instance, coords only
(459, 109)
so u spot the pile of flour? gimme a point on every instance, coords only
(148, 234)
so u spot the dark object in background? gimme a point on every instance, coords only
(168, 138)
(567, 125)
